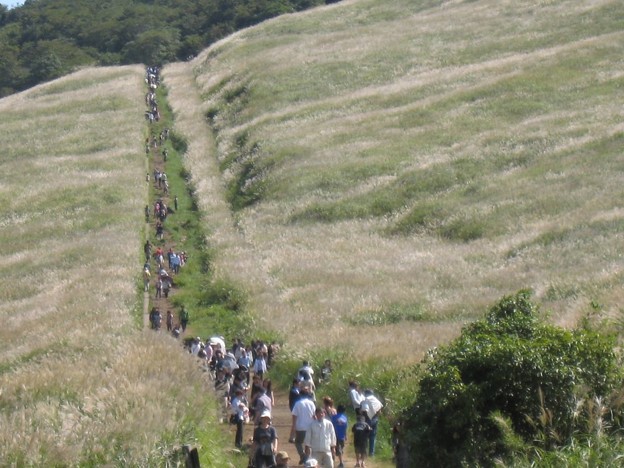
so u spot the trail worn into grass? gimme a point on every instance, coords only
(282, 421)
(200, 159)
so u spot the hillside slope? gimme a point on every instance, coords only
(81, 382)
(405, 164)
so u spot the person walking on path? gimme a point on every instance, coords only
(341, 424)
(169, 321)
(361, 431)
(371, 407)
(302, 418)
(264, 444)
(146, 279)
(238, 409)
(355, 396)
(294, 393)
(320, 439)
(184, 318)
(260, 366)
(261, 404)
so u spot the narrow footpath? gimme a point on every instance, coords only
(156, 163)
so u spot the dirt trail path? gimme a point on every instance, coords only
(281, 413)
(157, 162)
(282, 421)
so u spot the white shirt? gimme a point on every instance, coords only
(320, 436)
(304, 411)
(371, 405)
(356, 398)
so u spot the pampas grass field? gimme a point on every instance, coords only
(427, 157)
(372, 174)
(80, 382)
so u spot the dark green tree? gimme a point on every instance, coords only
(153, 47)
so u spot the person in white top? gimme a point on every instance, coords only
(355, 396)
(302, 417)
(371, 407)
(320, 439)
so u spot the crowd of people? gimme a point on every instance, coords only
(319, 429)
(157, 274)
(240, 373)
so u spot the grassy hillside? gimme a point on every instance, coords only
(405, 164)
(80, 382)
(374, 174)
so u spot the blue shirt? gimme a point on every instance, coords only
(341, 424)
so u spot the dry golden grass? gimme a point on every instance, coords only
(346, 106)
(350, 101)
(80, 382)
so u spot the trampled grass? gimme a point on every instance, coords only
(429, 155)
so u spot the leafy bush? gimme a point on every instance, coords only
(222, 292)
(510, 367)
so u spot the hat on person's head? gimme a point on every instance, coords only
(265, 414)
(310, 462)
(281, 456)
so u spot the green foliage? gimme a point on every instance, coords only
(216, 306)
(512, 366)
(154, 47)
(224, 293)
(118, 31)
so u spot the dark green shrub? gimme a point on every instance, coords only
(223, 293)
(510, 365)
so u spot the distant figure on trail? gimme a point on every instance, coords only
(294, 393)
(302, 418)
(169, 321)
(341, 424)
(261, 404)
(355, 395)
(370, 408)
(361, 431)
(147, 248)
(326, 371)
(166, 286)
(184, 318)
(146, 279)
(260, 366)
(268, 385)
(264, 444)
(305, 374)
(155, 318)
(159, 287)
(240, 412)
